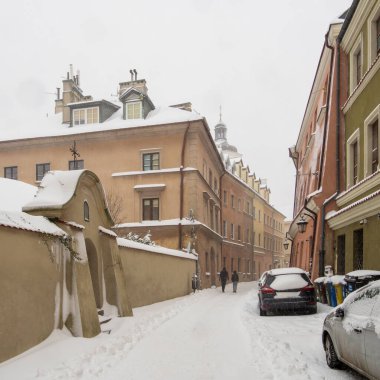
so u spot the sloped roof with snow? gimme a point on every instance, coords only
(15, 194)
(56, 189)
(52, 125)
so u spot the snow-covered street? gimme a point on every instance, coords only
(209, 335)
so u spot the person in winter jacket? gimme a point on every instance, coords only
(223, 276)
(235, 280)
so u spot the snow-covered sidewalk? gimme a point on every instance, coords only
(208, 335)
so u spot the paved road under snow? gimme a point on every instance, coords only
(209, 335)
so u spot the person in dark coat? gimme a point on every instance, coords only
(235, 280)
(223, 276)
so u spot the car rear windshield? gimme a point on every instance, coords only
(288, 281)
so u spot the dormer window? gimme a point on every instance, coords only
(134, 110)
(86, 116)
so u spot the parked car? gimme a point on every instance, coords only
(286, 289)
(351, 332)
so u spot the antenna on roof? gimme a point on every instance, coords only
(220, 113)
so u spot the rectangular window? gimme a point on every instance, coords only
(239, 204)
(79, 117)
(41, 169)
(76, 165)
(239, 263)
(355, 162)
(341, 251)
(134, 110)
(232, 201)
(378, 35)
(239, 233)
(232, 231)
(375, 143)
(232, 264)
(358, 249)
(10, 172)
(358, 66)
(86, 116)
(225, 197)
(92, 116)
(151, 209)
(224, 228)
(151, 161)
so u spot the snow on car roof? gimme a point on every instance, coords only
(279, 271)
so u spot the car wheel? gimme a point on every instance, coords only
(263, 313)
(331, 356)
(313, 310)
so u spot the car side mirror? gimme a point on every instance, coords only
(259, 284)
(339, 312)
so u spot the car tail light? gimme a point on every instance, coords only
(267, 290)
(308, 288)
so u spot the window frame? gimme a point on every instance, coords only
(77, 162)
(372, 118)
(352, 140)
(12, 169)
(151, 154)
(133, 105)
(86, 116)
(86, 211)
(151, 217)
(44, 164)
(373, 27)
(354, 69)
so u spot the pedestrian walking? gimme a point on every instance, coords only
(223, 276)
(235, 280)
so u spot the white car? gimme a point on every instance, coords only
(351, 332)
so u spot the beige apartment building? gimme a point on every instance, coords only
(161, 170)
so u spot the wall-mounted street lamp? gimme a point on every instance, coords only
(302, 223)
(286, 245)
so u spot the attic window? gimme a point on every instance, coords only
(134, 110)
(86, 116)
(86, 211)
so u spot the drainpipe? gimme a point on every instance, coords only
(337, 158)
(181, 191)
(314, 216)
(221, 216)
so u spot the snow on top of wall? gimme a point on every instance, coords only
(56, 189)
(14, 194)
(52, 125)
(154, 248)
(139, 172)
(23, 221)
(106, 231)
(152, 185)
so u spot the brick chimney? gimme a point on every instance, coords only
(71, 93)
(138, 84)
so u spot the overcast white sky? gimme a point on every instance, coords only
(255, 58)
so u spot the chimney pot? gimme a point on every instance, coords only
(135, 72)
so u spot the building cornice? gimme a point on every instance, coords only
(356, 24)
(364, 208)
(359, 189)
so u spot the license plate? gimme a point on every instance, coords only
(287, 294)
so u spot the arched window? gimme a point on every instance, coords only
(86, 211)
